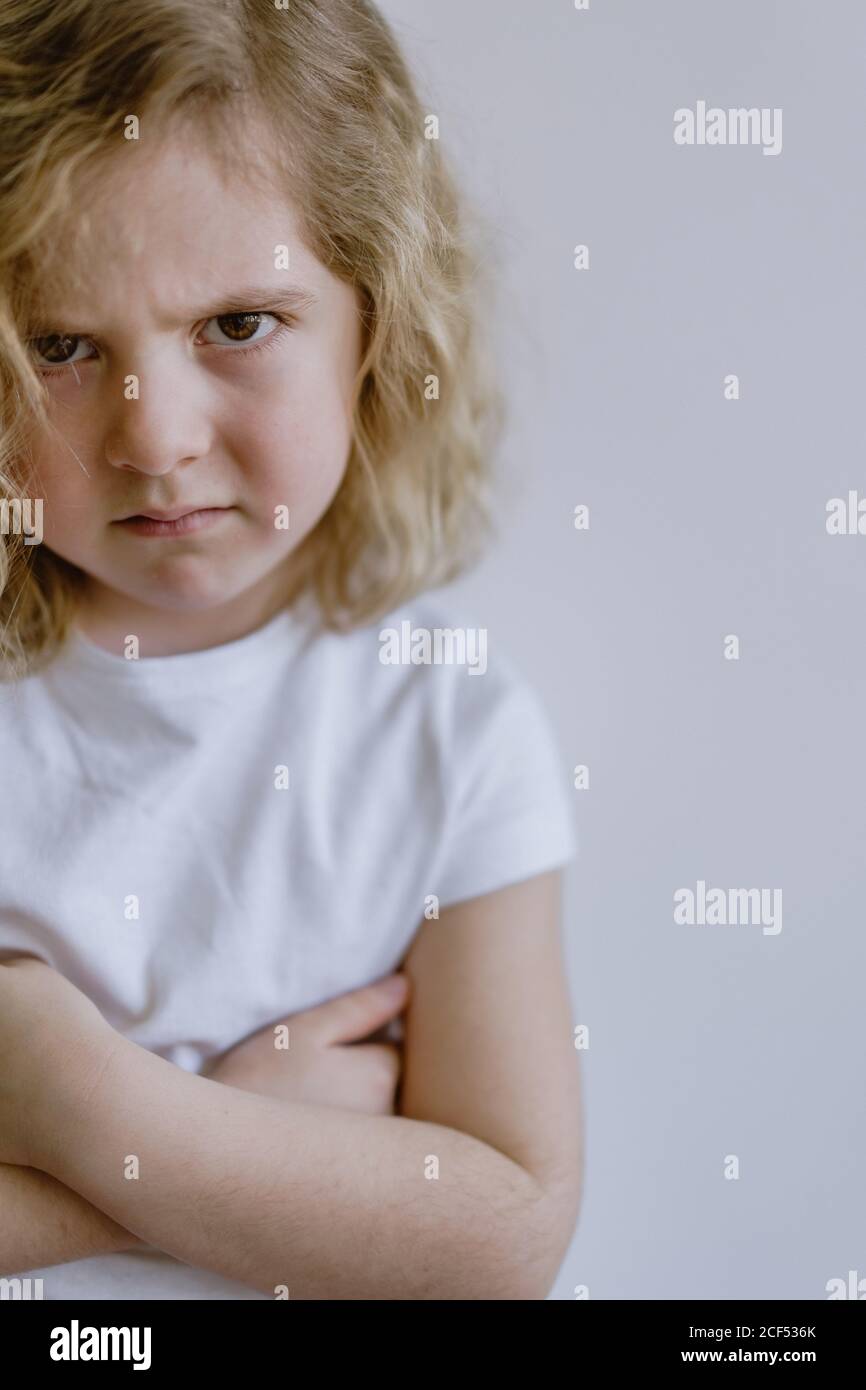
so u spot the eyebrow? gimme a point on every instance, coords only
(245, 299)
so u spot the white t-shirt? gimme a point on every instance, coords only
(208, 842)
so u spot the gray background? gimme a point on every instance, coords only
(707, 518)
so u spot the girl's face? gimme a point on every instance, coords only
(191, 372)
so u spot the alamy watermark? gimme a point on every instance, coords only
(729, 907)
(846, 518)
(739, 125)
(22, 517)
(437, 646)
(16, 1288)
(852, 1287)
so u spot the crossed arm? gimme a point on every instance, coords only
(472, 1191)
(43, 1223)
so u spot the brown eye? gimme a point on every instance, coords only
(243, 327)
(239, 327)
(58, 349)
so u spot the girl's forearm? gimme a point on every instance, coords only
(324, 1203)
(44, 1223)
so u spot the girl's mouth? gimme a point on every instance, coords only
(182, 526)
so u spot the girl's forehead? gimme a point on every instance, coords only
(167, 178)
(173, 215)
(181, 157)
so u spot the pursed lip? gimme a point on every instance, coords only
(175, 514)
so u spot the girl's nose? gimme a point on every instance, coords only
(158, 429)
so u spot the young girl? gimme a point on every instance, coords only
(261, 798)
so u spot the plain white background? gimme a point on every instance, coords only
(707, 518)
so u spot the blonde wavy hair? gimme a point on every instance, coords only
(378, 207)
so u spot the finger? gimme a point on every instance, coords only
(384, 1060)
(361, 1012)
(390, 1032)
(382, 1051)
(370, 1085)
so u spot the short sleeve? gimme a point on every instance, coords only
(510, 816)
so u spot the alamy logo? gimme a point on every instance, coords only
(740, 125)
(22, 517)
(75, 1343)
(729, 907)
(438, 646)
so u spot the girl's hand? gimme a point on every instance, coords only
(52, 1039)
(322, 1065)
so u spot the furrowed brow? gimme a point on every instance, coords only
(252, 297)
(244, 299)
